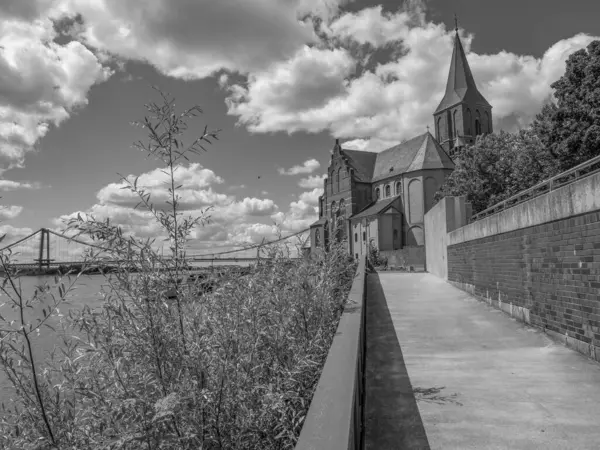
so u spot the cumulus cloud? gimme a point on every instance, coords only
(194, 39)
(10, 185)
(10, 212)
(308, 166)
(302, 213)
(311, 182)
(41, 81)
(225, 213)
(377, 104)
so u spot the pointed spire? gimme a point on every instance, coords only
(461, 84)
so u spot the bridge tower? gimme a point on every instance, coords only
(44, 239)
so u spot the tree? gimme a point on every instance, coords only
(570, 129)
(496, 167)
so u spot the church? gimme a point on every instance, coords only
(380, 199)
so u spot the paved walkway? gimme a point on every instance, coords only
(445, 371)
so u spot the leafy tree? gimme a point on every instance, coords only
(496, 167)
(570, 129)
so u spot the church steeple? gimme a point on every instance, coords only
(463, 112)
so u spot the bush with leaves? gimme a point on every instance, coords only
(234, 368)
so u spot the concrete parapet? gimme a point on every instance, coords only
(335, 418)
(573, 199)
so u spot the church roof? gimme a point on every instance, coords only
(362, 162)
(321, 221)
(418, 153)
(461, 84)
(375, 208)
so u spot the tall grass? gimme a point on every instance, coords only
(234, 368)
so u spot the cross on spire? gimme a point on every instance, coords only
(455, 23)
(428, 128)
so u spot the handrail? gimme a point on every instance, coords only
(335, 417)
(542, 188)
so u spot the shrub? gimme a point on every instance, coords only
(231, 367)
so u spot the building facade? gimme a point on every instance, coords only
(380, 199)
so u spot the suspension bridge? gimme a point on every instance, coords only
(46, 248)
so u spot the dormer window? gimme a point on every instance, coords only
(388, 190)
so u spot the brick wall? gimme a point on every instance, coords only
(547, 275)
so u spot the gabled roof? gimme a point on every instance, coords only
(418, 153)
(461, 84)
(362, 162)
(375, 208)
(321, 221)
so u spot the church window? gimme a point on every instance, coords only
(332, 209)
(439, 129)
(488, 122)
(355, 237)
(337, 179)
(388, 190)
(377, 193)
(342, 209)
(455, 125)
(395, 234)
(477, 123)
(364, 235)
(398, 188)
(469, 121)
(317, 238)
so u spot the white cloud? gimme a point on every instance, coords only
(302, 213)
(225, 212)
(378, 105)
(309, 166)
(41, 80)
(311, 182)
(10, 185)
(10, 212)
(13, 234)
(194, 39)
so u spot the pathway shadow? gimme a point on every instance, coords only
(392, 418)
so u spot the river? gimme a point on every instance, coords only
(87, 291)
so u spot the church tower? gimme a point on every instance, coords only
(463, 113)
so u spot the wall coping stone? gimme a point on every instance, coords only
(334, 418)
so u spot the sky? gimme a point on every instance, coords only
(281, 79)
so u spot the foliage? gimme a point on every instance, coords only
(496, 167)
(564, 134)
(375, 257)
(231, 368)
(570, 129)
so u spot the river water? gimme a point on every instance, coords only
(88, 290)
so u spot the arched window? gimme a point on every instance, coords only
(355, 237)
(332, 212)
(398, 188)
(469, 121)
(455, 126)
(388, 191)
(342, 209)
(377, 193)
(477, 123)
(317, 238)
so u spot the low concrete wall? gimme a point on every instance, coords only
(405, 257)
(335, 418)
(448, 214)
(570, 200)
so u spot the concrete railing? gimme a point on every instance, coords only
(335, 418)
(584, 169)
